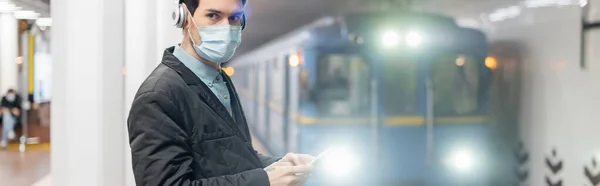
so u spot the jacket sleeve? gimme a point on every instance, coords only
(267, 160)
(19, 101)
(160, 151)
(3, 102)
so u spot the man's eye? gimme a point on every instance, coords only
(212, 16)
(235, 18)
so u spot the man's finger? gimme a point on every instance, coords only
(293, 158)
(306, 159)
(282, 164)
(299, 169)
(297, 160)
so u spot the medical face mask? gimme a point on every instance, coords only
(10, 97)
(218, 42)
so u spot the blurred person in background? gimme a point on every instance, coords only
(186, 125)
(11, 110)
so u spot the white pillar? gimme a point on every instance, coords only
(87, 110)
(8, 51)
(149, 31)
(139, 53)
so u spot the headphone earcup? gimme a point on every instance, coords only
(243, 21)
(179, 16)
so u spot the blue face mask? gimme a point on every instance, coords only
(218, 42)
(10, 97)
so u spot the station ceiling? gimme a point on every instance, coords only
(271, 18)
(268, 19)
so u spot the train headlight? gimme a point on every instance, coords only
(340, 163)
(462, 160)
(413, 39)
(390, 39)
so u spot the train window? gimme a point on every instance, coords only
(399, 85)
(455, 84)
(342, 84)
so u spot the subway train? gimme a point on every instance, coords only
(402, 99)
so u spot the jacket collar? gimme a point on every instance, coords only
(206, 94)
(236, 107)
(206, 73)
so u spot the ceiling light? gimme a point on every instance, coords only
(26, 14)
(7, 6)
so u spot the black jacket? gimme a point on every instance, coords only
(181, 134)
(4, 103)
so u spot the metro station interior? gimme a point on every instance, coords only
(398, 92)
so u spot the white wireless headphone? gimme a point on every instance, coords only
(180, 16)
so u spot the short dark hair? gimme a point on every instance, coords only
(192, 5)
(11, 90)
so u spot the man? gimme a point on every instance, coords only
(11, 108)
(186, 124)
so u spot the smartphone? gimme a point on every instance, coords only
(317, 161)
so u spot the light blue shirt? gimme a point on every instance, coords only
(210, 76)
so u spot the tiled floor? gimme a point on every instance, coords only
(29, 167)
(23, 169)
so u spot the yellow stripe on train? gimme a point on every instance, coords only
(392, 121)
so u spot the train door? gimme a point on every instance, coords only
(276, 107)
(249, 94)
(261, 127)
(457, 138)
(296, 83)
(283, 105)
(255, 96)
(286, 103)
(401, 137)
(267, 109)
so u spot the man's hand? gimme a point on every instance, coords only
(287, 175)
(15, 112)
(281, 164)
(297, 159)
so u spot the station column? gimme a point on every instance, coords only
(88, 128)
(149, 31)
(8, 51)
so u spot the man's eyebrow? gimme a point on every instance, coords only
(236, 13)
(214, 11)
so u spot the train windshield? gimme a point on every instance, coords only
(343, 85)
(455, 80)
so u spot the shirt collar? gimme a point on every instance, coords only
(206, 73)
